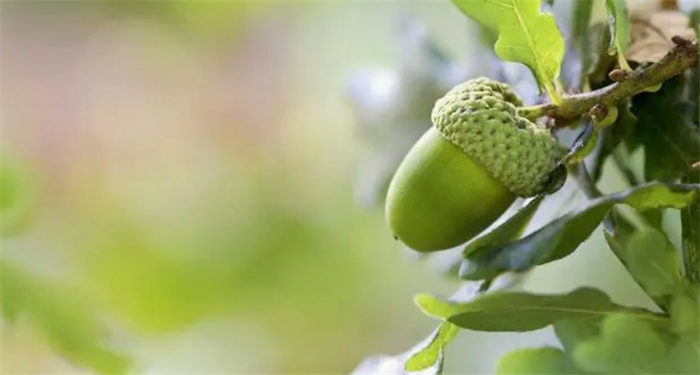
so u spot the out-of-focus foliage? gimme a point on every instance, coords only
(17, 196)
(194, 173)
(62, 316)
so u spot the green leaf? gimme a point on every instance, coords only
(657, 195)
(545, 360)
(685, 313)
(68, 324)
(555, 240)
(627, 345)
(684, 357)
(525, 35)
(562, 236)
(666, 129)
(654, 262)
(430, 352)
(506, 232)
(619, 26)
(520, 311)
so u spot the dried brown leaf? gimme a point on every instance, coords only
(652, 32)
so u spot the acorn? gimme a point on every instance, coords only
(469, 167)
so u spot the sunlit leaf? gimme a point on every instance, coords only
(425, 358)
(431, 352)
(525, 35)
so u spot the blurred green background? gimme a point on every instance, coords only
(187, 175)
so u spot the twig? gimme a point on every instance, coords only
(681, 57)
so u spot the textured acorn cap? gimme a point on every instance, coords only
(479, 116)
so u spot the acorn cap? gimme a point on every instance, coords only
(480, 117)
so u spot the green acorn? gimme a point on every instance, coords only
(467, 169)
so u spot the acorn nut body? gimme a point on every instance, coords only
(468, 168)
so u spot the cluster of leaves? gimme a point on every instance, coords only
(596, 334)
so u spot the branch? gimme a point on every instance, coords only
(683, 56)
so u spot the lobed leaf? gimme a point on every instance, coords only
(525, 35)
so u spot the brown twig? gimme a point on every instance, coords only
(683, 56)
